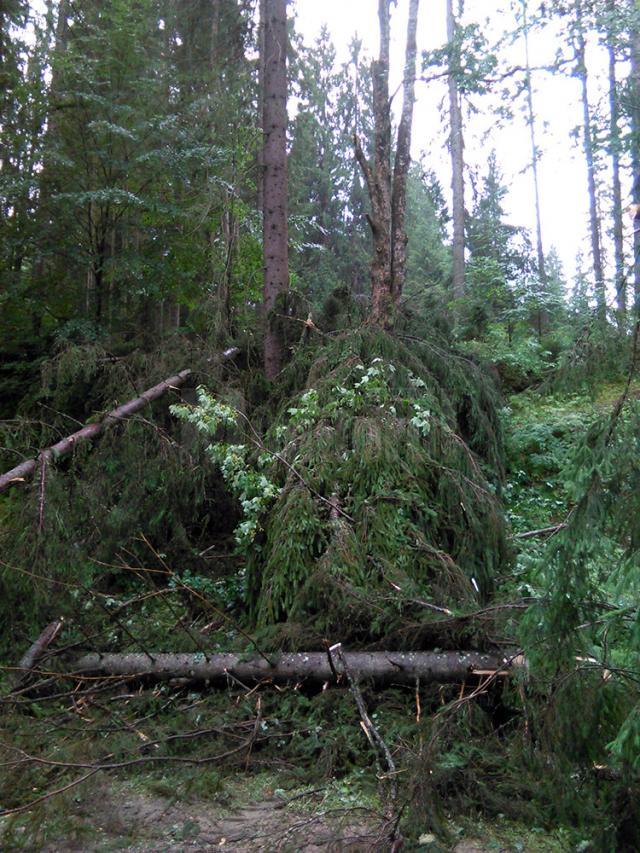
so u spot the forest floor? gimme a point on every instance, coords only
(247, 812)
(248, 815)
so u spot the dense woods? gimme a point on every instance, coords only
(318, 470)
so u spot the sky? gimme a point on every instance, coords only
(562, 170)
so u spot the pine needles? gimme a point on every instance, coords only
(392, 441)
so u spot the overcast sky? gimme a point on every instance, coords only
(556, 103)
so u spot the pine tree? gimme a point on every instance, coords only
(275, 222)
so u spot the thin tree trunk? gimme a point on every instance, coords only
(403, 160)
(635, 147)
(275, 233)
(596, 250)
(456, 145)
(66, 445)
(534, 148)
(380, 667)
(46, 178)
(261, 60)
(616, 186)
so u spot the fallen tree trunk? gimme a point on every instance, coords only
(36, 650)
(63, 447)
(542, 531)
(380, 667)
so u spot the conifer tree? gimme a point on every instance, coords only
(275, 220)
(456, 147)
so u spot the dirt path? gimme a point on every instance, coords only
(107, 821)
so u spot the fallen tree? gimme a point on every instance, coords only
(380, 667)
(63, 447)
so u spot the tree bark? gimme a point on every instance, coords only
(534, 148)
(387, 189)
(274, 124)
(403, 160)
(635, 147)
(456, 145)
(381, 667)
(616, 186)
(36, 650)
(65, 446)
(589, 153)
(378, 176)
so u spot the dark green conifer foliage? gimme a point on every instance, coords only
(396, 444)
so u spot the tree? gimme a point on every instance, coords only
(535, 152)
(325, 188)
(275, 222)
(456, 147)
(387, 186)
(634, 114)
(580, 52)
(612, 37)
(502, 284)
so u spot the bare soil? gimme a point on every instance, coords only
(143, 822)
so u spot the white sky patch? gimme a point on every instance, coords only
(562, 168)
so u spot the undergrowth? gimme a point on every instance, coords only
(359, 499)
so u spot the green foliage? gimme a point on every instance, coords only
(587, 577)
(253, 490)
(379, 488)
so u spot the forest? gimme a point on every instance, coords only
(319, 469)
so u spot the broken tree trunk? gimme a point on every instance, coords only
(36, 650)
(63, 447)
(387, 187)
(380, 667)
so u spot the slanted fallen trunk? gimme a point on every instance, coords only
(36, 650)
(63, 447)
(380, 667)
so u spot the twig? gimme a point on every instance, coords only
(48, 795)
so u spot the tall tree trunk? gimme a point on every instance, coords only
(616, 186)
(596, 250)
(456, 145)
(378, 177)
(403, 160)
(46, 180)
(534, 148)
(261, 59)
(635, 147)
(387, 188)
(274, 122)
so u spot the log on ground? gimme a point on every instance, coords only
(379, 667)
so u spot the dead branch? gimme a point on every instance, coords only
(542, 531)
(371, 731)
